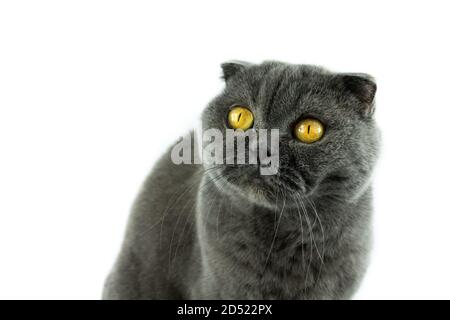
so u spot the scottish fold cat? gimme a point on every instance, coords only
(225, 231)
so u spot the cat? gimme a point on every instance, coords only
(208, 231)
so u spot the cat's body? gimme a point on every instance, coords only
(224, 232)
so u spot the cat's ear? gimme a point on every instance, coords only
(230, 68)
(363, 87)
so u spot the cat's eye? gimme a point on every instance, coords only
(309, 130)
(240, 118)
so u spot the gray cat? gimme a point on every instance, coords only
(227, 232)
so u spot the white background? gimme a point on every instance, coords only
(92, 92)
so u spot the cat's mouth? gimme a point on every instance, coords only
(246, 181)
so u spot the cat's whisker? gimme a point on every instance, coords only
(301, 232)
(311, 227)
(210, 204)
(302, 238)
(311, 238)
(180, 237)
(319, 253)
(220, 209)
(171, 205)
(218, 217)
(276, 205)
(207, 183)
(192, 223)
(311, 202)
(215, 197)
(275, 235)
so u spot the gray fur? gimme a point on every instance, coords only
(225, 232)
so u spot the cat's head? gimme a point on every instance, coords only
(336, 158)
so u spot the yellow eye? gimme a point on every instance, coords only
(240, 118)
(309, 130)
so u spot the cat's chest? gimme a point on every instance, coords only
(251, 270)
(258, 259)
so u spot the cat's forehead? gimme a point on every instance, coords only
(282, 81)
(275, 84)
(272, 71)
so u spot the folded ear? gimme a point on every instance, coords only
(363, 87)
(229, 69)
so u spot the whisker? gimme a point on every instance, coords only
(323, 235)
(311, 239)
(275, 235)
(220, 210)
(171, 204)
(301, 231)
(207, 183)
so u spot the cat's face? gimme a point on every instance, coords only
(280, 96)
